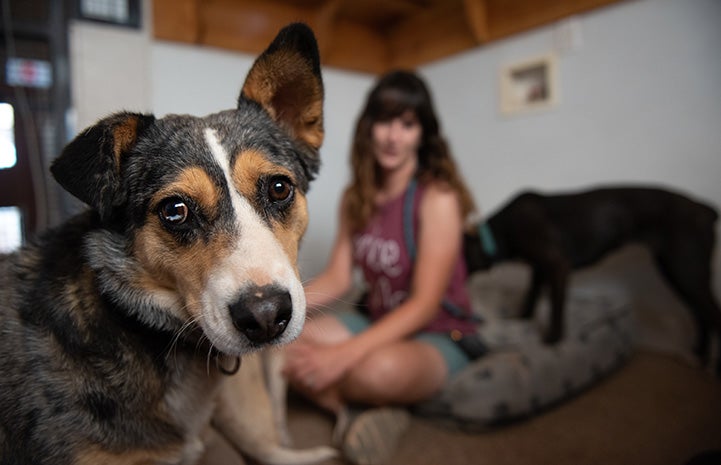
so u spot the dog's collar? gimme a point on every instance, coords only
(220, 360)
(488, 243)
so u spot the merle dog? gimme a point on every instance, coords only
(121, 327)
(555, 234)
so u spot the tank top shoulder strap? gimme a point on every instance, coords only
(410, 240)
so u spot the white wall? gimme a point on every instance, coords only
(109, 71)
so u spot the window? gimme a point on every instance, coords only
(11, 230)
(8, 154)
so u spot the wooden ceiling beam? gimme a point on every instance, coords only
(248, 26)
(357, 47)
(429, 35)
(325, 20)
(477, 17)
(508, 17)
(361, 40)
(176, 20)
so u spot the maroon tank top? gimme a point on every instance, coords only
(381, 253)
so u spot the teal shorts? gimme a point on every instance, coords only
(455, 358)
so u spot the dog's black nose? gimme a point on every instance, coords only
(262, 312)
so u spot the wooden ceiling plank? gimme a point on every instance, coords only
(477, 16)
(247, 26)
(357, 47)
(379, 13)
(176, 20)
(430, 35)
(393, 33)
(324, 21)
(508, 17)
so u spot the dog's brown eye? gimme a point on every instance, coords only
(279, 189)
(174, 211)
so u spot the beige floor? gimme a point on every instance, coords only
(656, 410)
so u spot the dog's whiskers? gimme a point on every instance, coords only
(322, 309)
(187, 326)
(207, 360)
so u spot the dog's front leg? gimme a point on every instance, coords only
(558, 277)
(273, 361)
(244, 416)
(534, 290)
(244, 411)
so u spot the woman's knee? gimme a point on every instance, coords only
(401, 373)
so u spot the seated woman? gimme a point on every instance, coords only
(403, 349)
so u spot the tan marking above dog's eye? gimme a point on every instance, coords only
(174, 211)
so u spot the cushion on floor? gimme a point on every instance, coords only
(520, 376)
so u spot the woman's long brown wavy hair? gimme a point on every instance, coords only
(396, 93)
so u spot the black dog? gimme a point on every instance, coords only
(555, 234)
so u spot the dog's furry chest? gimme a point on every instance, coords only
(80, 376)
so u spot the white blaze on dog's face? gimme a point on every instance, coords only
(265, 252)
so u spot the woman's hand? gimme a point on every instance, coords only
(317, 367)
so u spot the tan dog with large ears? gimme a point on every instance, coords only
(121, 327)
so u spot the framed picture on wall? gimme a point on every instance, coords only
(530, 85)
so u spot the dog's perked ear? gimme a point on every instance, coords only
(286, 80)
(90, 165)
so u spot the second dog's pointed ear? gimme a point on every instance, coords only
(90, 165)
(286, 81)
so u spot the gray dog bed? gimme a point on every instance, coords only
(520, 376)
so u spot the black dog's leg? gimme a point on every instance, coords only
(551, 268)
(686, 266)
(558, 276)
(531, 297)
